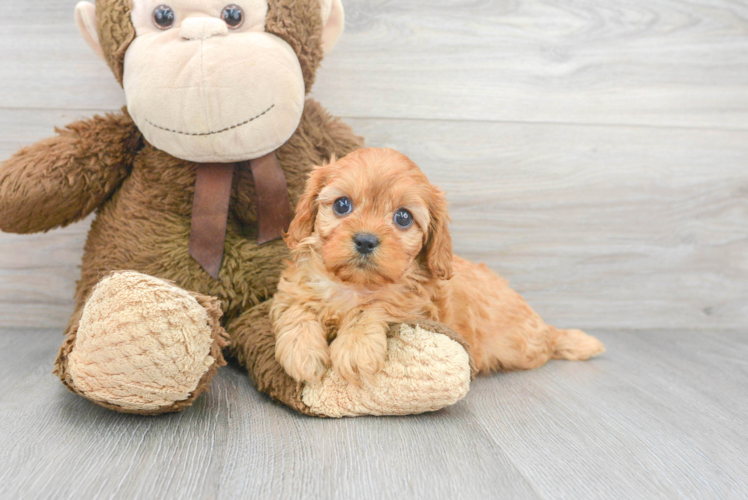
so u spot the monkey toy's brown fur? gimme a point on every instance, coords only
(143, 198)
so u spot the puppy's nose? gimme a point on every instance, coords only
(365, 243)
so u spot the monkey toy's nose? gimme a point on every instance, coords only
(201, 28)
(365, 243)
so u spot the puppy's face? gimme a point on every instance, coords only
(372, 214)
(372, 219)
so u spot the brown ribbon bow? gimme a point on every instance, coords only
(210, 208)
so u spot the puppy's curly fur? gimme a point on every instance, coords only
(331, 291)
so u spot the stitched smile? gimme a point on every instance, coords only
(203, 134)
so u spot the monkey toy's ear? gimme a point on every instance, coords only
(333, 18)
(85, 19)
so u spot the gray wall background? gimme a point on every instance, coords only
(595, 153)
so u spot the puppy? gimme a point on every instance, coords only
(371, 246)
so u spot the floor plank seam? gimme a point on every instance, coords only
(442, 120)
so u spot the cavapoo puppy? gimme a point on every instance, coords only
(371, 246)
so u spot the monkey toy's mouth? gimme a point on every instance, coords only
(204, 134)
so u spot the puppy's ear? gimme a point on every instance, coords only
(439, 244)
(302, 224)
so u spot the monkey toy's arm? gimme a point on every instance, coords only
(60, 180)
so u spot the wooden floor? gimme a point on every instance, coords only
(664, 415)
(594, 152)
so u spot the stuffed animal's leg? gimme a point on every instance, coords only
(142, 345)
(427, 368)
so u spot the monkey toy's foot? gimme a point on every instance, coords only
(425, 371)
(143, 345)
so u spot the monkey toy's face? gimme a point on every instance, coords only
(205, 81)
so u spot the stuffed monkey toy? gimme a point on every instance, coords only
(193, 184)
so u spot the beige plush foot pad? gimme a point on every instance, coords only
(142, 344)
(424, 372)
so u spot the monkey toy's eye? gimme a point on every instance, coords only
(342, 206)
(403, 218)
(163, 17)
(233, 15)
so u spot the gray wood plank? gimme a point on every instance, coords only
(649, 62)
(671, 402)
(234, 443)
(599, 227)
(661, 415)
(655, 62)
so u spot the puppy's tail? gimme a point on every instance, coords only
(575, 345)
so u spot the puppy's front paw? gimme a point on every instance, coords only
(303, 352)
(358, 357)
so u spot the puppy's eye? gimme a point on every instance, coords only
(403, 218)
(233, 15)
(342, 206)
(163, 17)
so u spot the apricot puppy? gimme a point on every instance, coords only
(371, 246)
